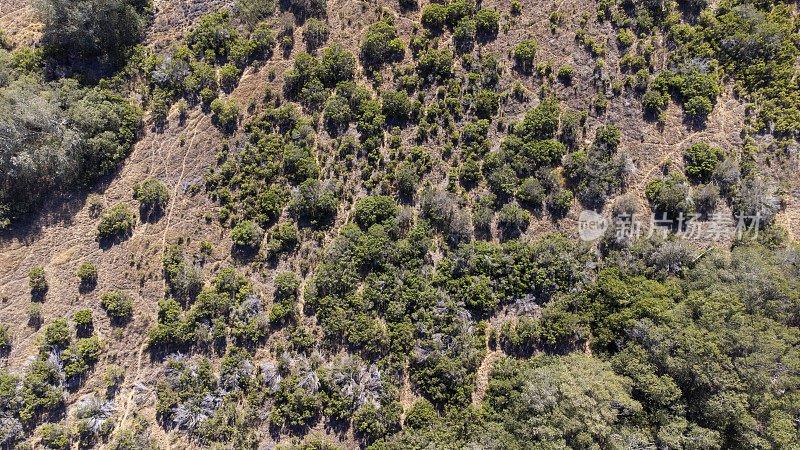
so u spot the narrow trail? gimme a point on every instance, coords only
(482, 376)
(129, 400)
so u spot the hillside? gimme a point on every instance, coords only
(249, 224)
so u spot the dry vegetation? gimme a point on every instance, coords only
(180, 148)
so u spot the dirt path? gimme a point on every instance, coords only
(129, 402)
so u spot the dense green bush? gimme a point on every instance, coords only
(85, 29)
(702, 160)
(434, 16)
(559, 202)
(83, 320)
(464, 34)
(380, 43)
(513, 219)
(229, 76)
(118, 305)
(486, 104)
(286, 293)
(337, 111)
(37, 281)
(487, 21)
(226, 114)
(36, 160)
(247, 235)
(213, 36)
(524, 53)
(314, 202)
(315, 33)
(87, 274)
(5, 340)
(57, 334)
(396, 105)
(115, 223)
(435, 64)
(669, 194)
(182, 278)
(531, 193)
(337, 65)
(599, 171)
(374, 210)
(80, 357)
(55, 435)
(152, 195)
(407, 178)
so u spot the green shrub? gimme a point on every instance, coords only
(669, 194)
(286, 293)
(102, 129)
(299, 163)
(153, 196)
(213, 36)
(540, 122)
(55, 435)
(262, 40)
(702, 160)
(314, 202)
(376, 209)
(116, 222)
(654, 101)
(229, 75)
(5, 340)
(565, 72)
(80, 357)
(407, 178)
(315, 33)
(458, 10)
(34, 312)
(57, 334)
(83, 320)
(396, 105)
(37, 280)
(183, 279)
(435, 63)
(558, 202)
(337, 111)
(337, 65)
(698, 107)
(422, 414)
(625, 38)
(118, 305)
(470, 171)
(110, 29)
(531, 193)
(464, 33)
(207, 96)
(524, 53)
(487, 21)
(247, 235)
(513, 218)
(434, 16)
(226, 114)
(380, 43)
(159, 105)
(284, 239)
(486, 104)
